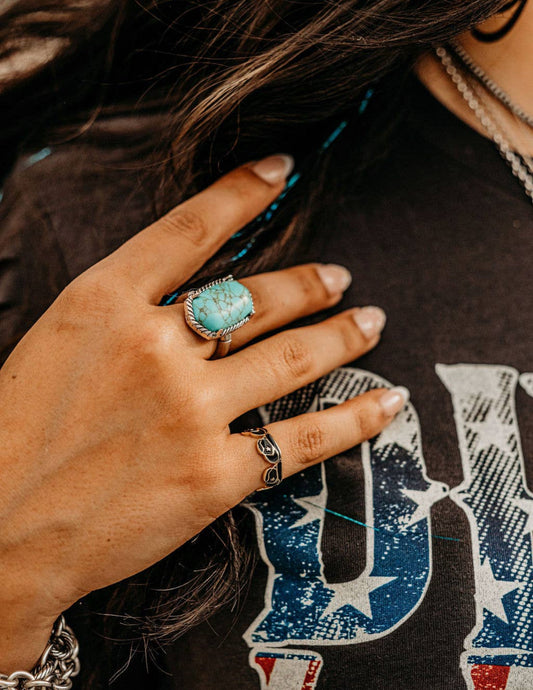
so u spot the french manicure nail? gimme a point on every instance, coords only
(274, 169)
(335, 278)
(371, 320)
(393, 400)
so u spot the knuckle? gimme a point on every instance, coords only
(187, 224)
(150, 340)
(309, 444)
(194, 475)
(359, 422)
(205, 481)
(90, 292)
(201, 404)
(199, 476)
(310, 286)
(367, 417)
(348, 334)
(296, 358)
(239, 184)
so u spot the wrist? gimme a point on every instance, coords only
(58, 663)
(22, 647)
(26, 629)
(23, 640)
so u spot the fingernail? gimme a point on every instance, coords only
(274, 169)
(371, 320)
(335, 278)
(393, 400)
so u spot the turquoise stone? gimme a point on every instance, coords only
(222, 305)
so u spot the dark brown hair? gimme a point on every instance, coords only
(238, 79)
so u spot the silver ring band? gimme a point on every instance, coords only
(223, 347)
(269, 449)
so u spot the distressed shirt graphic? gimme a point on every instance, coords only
(499, 507)
(301, 606)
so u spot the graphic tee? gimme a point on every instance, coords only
(407, 562)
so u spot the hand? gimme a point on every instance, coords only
(114, 422)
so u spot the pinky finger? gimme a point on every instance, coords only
(313, 437)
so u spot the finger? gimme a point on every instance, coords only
(160, 258)
(281, 297)
(289, 360)
(311, 438)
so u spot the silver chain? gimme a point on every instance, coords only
(519, 169)
(482, 95)
(490, 84)
(57, 666)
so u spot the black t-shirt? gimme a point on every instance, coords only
(406, 563)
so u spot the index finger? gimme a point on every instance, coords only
(161, 257)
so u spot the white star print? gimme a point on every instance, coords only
(492, 432)
(489, 591)
(402, 431)
(424, 500)
(355, 593)
(313, 509)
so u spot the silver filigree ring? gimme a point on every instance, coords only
(269, 449)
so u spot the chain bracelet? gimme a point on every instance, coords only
(55, 669)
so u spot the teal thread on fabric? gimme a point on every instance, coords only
(37, 157)
(31, 160)
(363, 524)
(255, 228)
(267, 215)
(334, 135)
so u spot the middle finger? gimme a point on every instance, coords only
(281, 297)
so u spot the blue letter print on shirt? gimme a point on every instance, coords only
(300, 605)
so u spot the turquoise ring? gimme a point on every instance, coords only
(217, 309)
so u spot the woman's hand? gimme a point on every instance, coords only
(114, 422)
